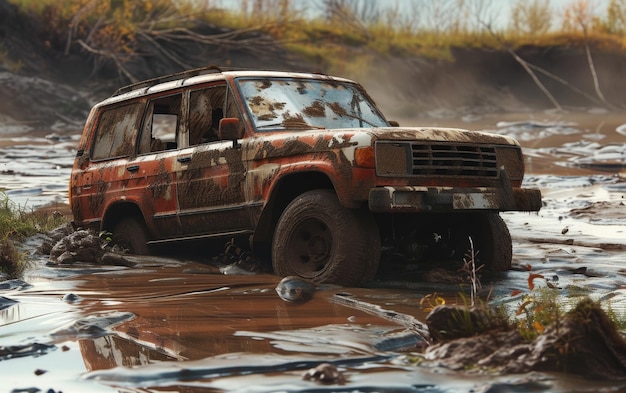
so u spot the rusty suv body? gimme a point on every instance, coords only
(302, 165)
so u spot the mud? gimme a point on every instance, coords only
(165, 323)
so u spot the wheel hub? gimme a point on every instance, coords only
(312, 246)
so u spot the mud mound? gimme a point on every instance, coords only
(584, 342)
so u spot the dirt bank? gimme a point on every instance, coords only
(38, 69)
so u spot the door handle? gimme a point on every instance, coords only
(132, 168)
(184, 159)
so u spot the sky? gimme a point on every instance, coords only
(499, 10)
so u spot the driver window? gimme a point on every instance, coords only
(160, 126)
(206, 108)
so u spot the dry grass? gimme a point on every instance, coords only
(343, 35)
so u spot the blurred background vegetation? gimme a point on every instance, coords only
(338, 35)
(413, 56)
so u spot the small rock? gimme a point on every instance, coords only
(65, 259)
(39, 372)
(325, 373)
(294, 289)
(71, 298)
(14, 284)
(114, 259)
(5, 302)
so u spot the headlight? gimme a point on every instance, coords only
(392, 159)
(510, 157)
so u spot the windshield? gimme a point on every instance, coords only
(300, 103)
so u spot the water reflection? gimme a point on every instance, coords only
(194, 330)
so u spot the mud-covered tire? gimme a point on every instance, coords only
(492, 240)
(318, 239)
(130, 235)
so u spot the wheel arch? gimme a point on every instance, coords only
(119, 210)
(286, 190)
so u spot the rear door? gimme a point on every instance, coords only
(152, 180)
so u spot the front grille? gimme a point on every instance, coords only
(453, 160)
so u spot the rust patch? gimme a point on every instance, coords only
(256, 100)
(265, 110)
(290, 120)
(160, 182)
(315, 110)
(267, 117)
(337, 108)
(213, 178)
(264, 84)
(96, 200)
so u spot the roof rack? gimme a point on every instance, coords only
(167, 78)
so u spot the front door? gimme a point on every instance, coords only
(211, 198)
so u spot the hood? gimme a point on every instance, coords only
(436, 134)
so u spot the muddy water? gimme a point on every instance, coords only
(179, 325)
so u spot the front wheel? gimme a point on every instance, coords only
(490, 237)
(130, 235)
(494, 237)
(318, 239)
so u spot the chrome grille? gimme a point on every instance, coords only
(436, 159)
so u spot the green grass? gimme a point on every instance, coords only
(15, 225)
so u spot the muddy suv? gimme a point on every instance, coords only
(304, 167)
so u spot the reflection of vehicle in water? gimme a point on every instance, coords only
(230, 315)
(303, 165)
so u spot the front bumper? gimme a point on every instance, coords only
(445, 199)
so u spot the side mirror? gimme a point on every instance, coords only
(229, 129)
(394, 123)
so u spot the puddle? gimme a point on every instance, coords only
(166, 324)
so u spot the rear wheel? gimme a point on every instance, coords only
(318, 239)
(130, 235)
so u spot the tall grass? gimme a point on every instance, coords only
(15, 225)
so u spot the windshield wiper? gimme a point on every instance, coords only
(343, 113)
(290, 125)
(270, 125)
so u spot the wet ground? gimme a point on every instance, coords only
(179, 325)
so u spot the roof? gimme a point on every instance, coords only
(207, 74)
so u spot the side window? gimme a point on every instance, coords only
(206, 108)
(161, 123)
(116, 132)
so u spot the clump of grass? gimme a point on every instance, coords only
(15, 225)
(538, 310)
(11, 226)
(12, 261)
(541, 307)
(8, 62)
(619, 319)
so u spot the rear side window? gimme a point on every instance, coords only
(116, 132)
(160, 127)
